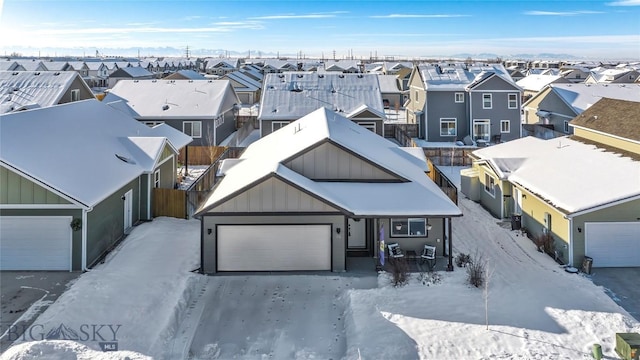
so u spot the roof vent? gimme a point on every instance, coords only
(320, 76)
(56, 73)
(15, 73)
(165, 107)
(281, 76)
(299, 76)
(36, 73)
(341, 76)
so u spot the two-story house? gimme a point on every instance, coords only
(452, 101)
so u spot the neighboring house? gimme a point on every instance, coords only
(247, 88)
(221, 67)
(129, 73)
(315, 192)
(393, 68)
(532, 84)
(185, 75)
(55, 65)
(84, 182)
(612, 76)
(574, 74)
(392, 96)
(516, 74)
(22, 90)
(30, 65)
(98, 74)
(202, 109)
(548, 113)
(552, 185)
(80, 67)
(9, 65)
(343, 66)
(288, 96)
(451, 101)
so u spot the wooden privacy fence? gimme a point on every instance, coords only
(451, 156)
(200, 155)
(403, 133)
(443, 182)
(169, 202)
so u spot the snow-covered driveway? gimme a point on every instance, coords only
(275, 316)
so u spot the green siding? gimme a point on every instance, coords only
(629, 211)
(106, 221)
(76, 246)
(167, 174)
(144, 197)
(166, 152)
(16, 189)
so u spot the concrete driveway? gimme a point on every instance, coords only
(275, 316)
(621, 284)
(26, 294)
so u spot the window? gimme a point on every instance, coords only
(156, 179)
(513, 101)
(490, 185)
(487, 103)
(368, 125)
(417, 97)
(505, 126)
(448, 127)
(481, 129)
(459, 97)
(411, 227)
(566, 126)
(152, 123)
(75, 95)
(192, 128)
(277, 125)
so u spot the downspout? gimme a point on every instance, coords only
(149, 197)
(570, 245)
(450, 236)
(84, 240)
(471, 115)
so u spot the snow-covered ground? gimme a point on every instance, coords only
(536, 310)
(194, 172)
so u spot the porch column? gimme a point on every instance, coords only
(450, 236)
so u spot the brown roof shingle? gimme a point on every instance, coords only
(616, 117)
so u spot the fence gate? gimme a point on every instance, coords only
(169, 202)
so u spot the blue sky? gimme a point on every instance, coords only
(587, 29)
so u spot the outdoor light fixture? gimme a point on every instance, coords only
(579, 229)
(338, 230)
(429, 226)
(398, 227)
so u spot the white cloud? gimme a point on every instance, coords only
(561, 13)
(625, 3)
(408, 16)
(297, 16)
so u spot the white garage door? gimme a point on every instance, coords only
(35, 243)
(613, 244)
(274, 247)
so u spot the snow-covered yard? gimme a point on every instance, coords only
(194, 172)
(536, 309)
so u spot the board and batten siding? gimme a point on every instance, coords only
(16, 189)
(273, 195)
(210, 221)
(328, 162)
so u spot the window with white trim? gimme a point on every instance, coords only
(487, 101)
(448, 127)
(513, 101)
(75, 94)
(490, 185)
(459, 97)
(409, 227)
(566, 126)
(481, 129)
(156, 179)
(277, 125)
(192, 128)
(368, 125)
(505, 126)
(152, 123)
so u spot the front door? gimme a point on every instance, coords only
(128, 210)
(356, 234)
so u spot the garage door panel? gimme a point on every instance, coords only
(273, 247)
(613, 244)
(35, 243)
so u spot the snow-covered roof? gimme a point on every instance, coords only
(175, 99)
(187, 74)
(55, 65)
(561, 171)
(450, 78)
(30, 64)
(581, 96)
(77, 65)
(133, 72)
(388, 84)
(85, 145)
(292, 95)
(266, 156)
(538, 82)
(8, 65)
(247, 82)
(94, 65)
(28, 89)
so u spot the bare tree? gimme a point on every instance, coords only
(211, 144)
(488, 272)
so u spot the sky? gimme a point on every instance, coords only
(362, 29)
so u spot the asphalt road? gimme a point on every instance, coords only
(621, 284)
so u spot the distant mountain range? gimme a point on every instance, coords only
(175, 52)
